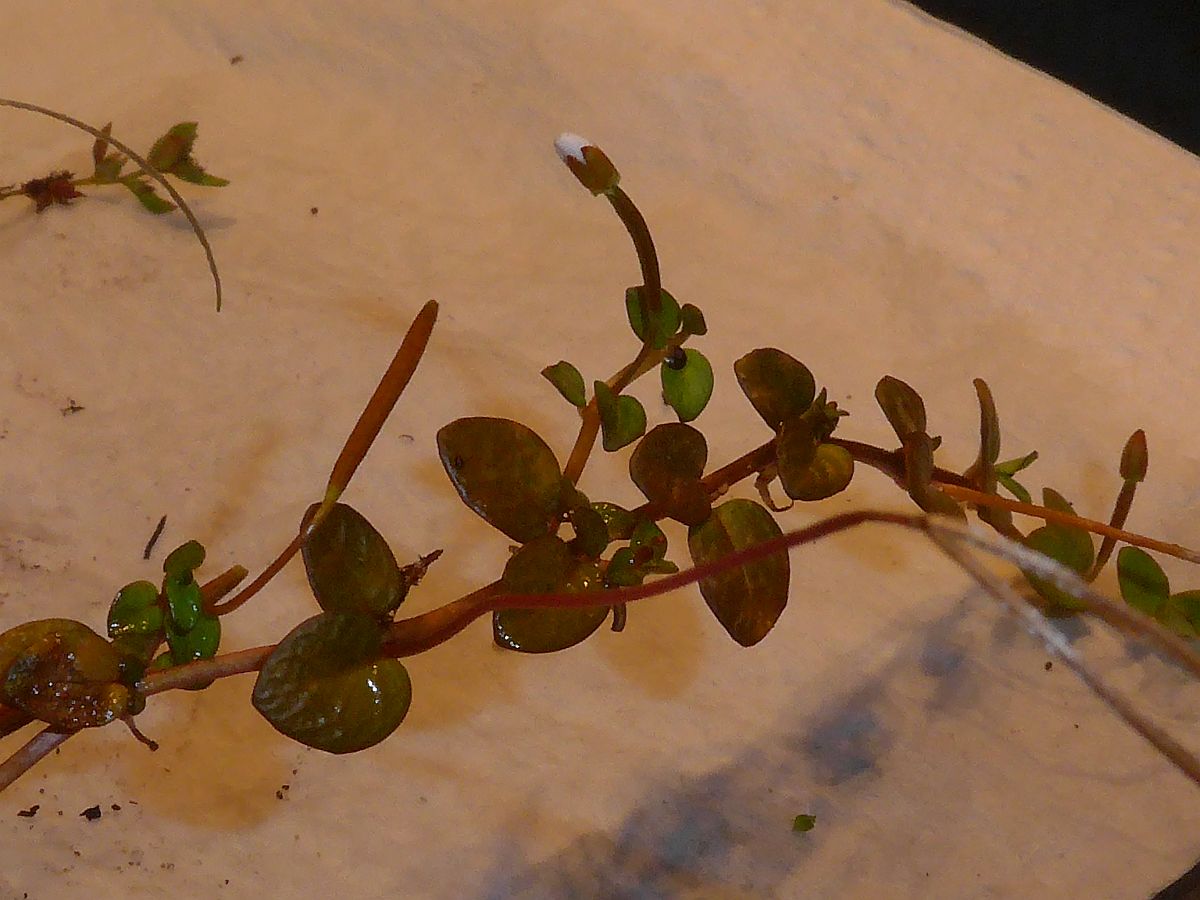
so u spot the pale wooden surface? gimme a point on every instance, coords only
(850, 182)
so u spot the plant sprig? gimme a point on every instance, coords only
(336, 682)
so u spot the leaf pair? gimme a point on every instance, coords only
(905, 411)
(170, 155)
(1145, 587)
(1068, 545)
(784, 393)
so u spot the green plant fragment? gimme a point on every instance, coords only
(803, 822)
(135, 610)
(622, 418)
(505, 473)
(1181, 613)
(688, 389)
(183, 560)
(778, 386)
(619, 520)
(198, 642)
(185, 601)
(1014, 487)
(918, 472)
(1011, 467)
(691, 320)
(1144, 584)
(749, 599)
(1070, 546)
(328, 686)
(172, 154)
(667, 466)
(146, 195)
(567, 381)
(591, 531)
(812, 473)
(541, 567)
(350, 566)
(664, 324)
(1135, 458)
(903, 406)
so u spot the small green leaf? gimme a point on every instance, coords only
(146, 195)
(173, 146)
(665, 324)
(591, 531)
(1135, 459)
(619, 520)
(778, 386)
(350, 566)
(827, 470)
(191, 171)
(1013, 466)
(566, 378)
(546, 566)
(185, 601)
(667, 466)
(1014, 487)
(108, 170)
(135, 610)
(918, 473)
(100, 146)
(198, 642)
(803, 823)
(687, 389)
(328, 686)
(1144, 584)
(623, 570)
(902, 405)
(748, 600)
(183, 560)
(692, 320)
(1068, 545)
(504, 472)
(622, 418)
(1184, 613)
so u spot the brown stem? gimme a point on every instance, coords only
(1117, 520)
(1053, 515)
(38, 746)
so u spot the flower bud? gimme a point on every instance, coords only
(588, 163)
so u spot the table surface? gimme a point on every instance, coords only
(854, 183)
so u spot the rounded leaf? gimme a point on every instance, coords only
(540, 567)
(184, 600)
(622, 418)
(903, 406)
(504, 472)
(666, 467)
(664, 325)
(567, 380)
(198, 642)
(687, 389)
(778, 386)
(185, 558)
(350, 566)
(327, 686)
(1070, 546)
(748, 600)
(135, 610)
(828, 471)
(1144, 584)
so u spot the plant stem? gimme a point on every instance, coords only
(1053, 515)
(1117, 520)
(39, 746)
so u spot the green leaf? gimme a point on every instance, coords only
(541, 567)
(198, 642)
(918, 473)
(619, 520)
(350, 566)
(591, 531)
(811, 473)
(665, 324)
(803, 823)
(191, 171)
(687, 389)
(504, 472)
(748, 600)
(173, 146)
(135, 610)
(566, 378)
(146, 195)
(185, 601)
(692, 320)
(1071, 546)
(328, 686)
(1144, 584)
(1181, 613)
(108, 170)
(902, 405)
(622, 418)
(778, 386)
(1014, 487)
(667, 465)
(1013, 466)
(183, 560)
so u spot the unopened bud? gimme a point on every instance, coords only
(588, 163)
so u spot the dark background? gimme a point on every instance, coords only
(1140, 58)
